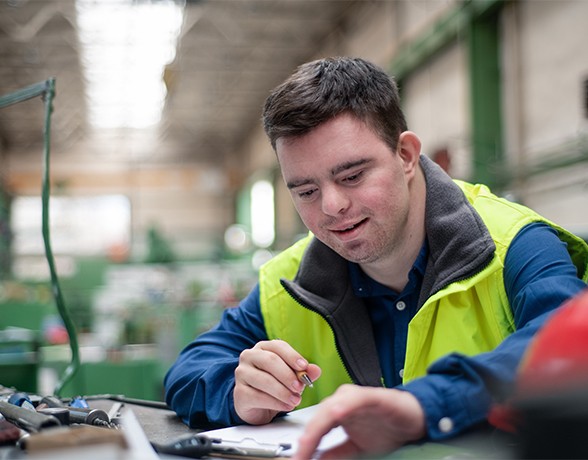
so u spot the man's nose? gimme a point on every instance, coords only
(334, 201)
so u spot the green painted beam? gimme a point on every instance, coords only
(565, 155)
(475, 23)
(487, 145)
(452, 26)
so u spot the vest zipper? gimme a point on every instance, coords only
(303, 304)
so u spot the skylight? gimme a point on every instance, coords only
(126, 45)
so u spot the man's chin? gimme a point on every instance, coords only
(353, 252)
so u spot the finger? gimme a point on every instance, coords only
(318, 426)
(288, 354)
(271, 356)
(256, 407)
(265, 372)
(294, 360)
(307, 447)
(346, 450)
(314, 372)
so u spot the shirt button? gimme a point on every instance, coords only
(401, 373)
(400, 305)
(445, 425)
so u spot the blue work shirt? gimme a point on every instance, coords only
(390, 313)
(457, 391)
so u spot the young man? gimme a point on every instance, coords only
(421, 290)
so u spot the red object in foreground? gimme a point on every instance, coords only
(555, 362)
(557, 358)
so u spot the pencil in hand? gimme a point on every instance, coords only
(304, 378)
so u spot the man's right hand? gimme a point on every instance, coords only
(266, 382)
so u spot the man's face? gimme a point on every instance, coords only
(350, 189)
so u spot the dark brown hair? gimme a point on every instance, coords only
(320, 90)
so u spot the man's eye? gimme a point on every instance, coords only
(353, 177)
(306, 194)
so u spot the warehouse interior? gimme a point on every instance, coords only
(165, 194)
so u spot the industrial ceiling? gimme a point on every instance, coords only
(224, 58)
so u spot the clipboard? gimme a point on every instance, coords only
(201, 446)
(278, 439)
(247, 447)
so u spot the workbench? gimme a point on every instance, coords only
(162, 425)
(159, 425)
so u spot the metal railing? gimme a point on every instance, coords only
(46, 90)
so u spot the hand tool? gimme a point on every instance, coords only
(84, 415)
(28, 420)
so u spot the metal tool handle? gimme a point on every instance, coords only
(26, 419)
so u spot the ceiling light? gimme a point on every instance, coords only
(125, 48)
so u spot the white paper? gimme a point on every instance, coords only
(284, 430)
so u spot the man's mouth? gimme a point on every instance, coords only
(350, 228)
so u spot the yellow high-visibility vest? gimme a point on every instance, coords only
(470, 316)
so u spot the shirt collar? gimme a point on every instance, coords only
(364, 286)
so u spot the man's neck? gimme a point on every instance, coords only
(392, 271)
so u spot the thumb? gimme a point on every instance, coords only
(314, 372)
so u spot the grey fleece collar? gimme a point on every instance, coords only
(459, 241)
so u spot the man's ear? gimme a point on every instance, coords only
(409, 150)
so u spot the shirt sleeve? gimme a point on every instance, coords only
(199, 385)
(457, 391)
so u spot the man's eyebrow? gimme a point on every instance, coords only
(297, 183)
(336, 170)
(348, 165)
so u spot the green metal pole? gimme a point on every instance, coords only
(46, 90)
(451, 26)
(24, 94)
(485, 101)
(476, 23)
(74, 364)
